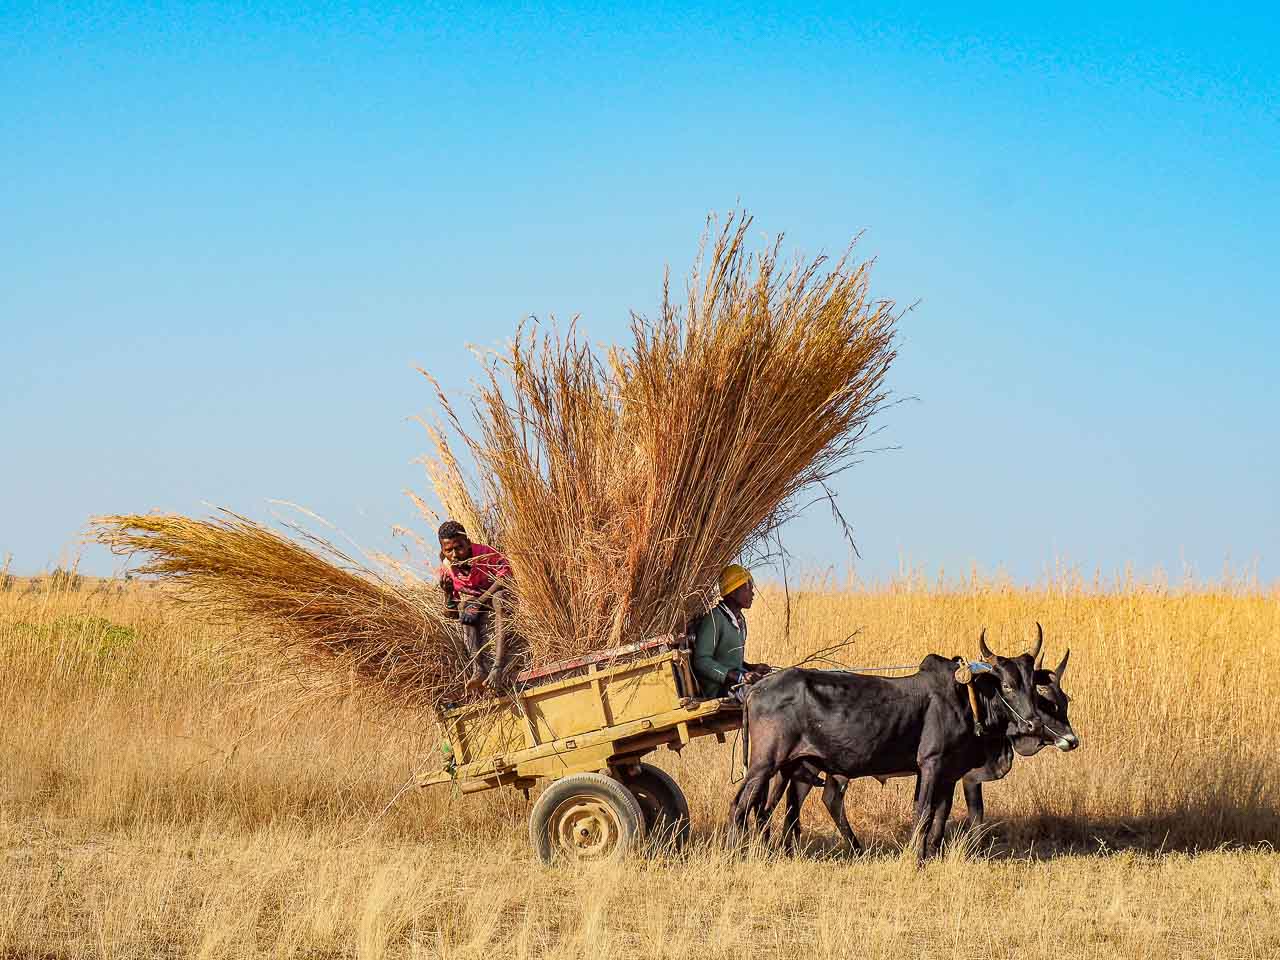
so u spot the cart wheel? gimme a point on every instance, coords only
(666, 811)
(585, 816)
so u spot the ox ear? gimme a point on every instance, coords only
(1062, 667)
(987, 655)
(1035, 651)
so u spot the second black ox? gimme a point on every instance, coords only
(854, 725)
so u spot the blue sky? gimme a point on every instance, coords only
(228, 233)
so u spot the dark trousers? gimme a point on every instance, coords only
(477, 639)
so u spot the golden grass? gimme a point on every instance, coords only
(147, 810)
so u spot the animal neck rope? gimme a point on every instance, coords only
(1023, 720)
(973, 700)
(978, 726)
(965, 675)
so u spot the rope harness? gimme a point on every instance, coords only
(965, 671)
(1009, 706)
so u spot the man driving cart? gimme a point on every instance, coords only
(721, 639)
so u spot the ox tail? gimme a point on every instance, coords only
(746, 737)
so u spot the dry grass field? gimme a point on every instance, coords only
(152, 806)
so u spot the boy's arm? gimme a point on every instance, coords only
(450, 598)
(499, 639)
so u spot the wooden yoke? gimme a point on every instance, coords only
(964, 677)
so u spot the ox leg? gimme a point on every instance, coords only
(764, 810)
(926, 792)
(945, 794)
(833, 797)
(782, 785)
(797, 791)
(737, 800)
(750, 797)
(767, 757)
(973, 803)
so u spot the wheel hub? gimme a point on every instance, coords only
(586, 828)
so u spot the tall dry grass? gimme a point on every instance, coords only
(146, 809)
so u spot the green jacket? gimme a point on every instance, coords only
(718, 647)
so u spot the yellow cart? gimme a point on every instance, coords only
(584, 725)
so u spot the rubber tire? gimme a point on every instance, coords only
(666, 811)
(544, 830)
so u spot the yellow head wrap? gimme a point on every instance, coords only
(732, 577)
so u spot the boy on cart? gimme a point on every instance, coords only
(474, 578)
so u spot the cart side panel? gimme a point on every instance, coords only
(602, 698)
(568, 709)
(496, 731)
(554, 719)
(592, 750)
(635, 694)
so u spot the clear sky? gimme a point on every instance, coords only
(229, 232)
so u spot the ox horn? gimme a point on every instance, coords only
(1062, 667)
(987, 655)
(1035, 652)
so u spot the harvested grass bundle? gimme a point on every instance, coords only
(316, 615)
(620, 485)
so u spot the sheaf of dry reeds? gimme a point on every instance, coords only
(621, 484)
(313, 617)
(618, 482)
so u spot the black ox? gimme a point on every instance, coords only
(1053, 705)
(851, 725)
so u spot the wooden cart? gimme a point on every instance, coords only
(584, 725)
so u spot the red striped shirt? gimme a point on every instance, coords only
(477, 574)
